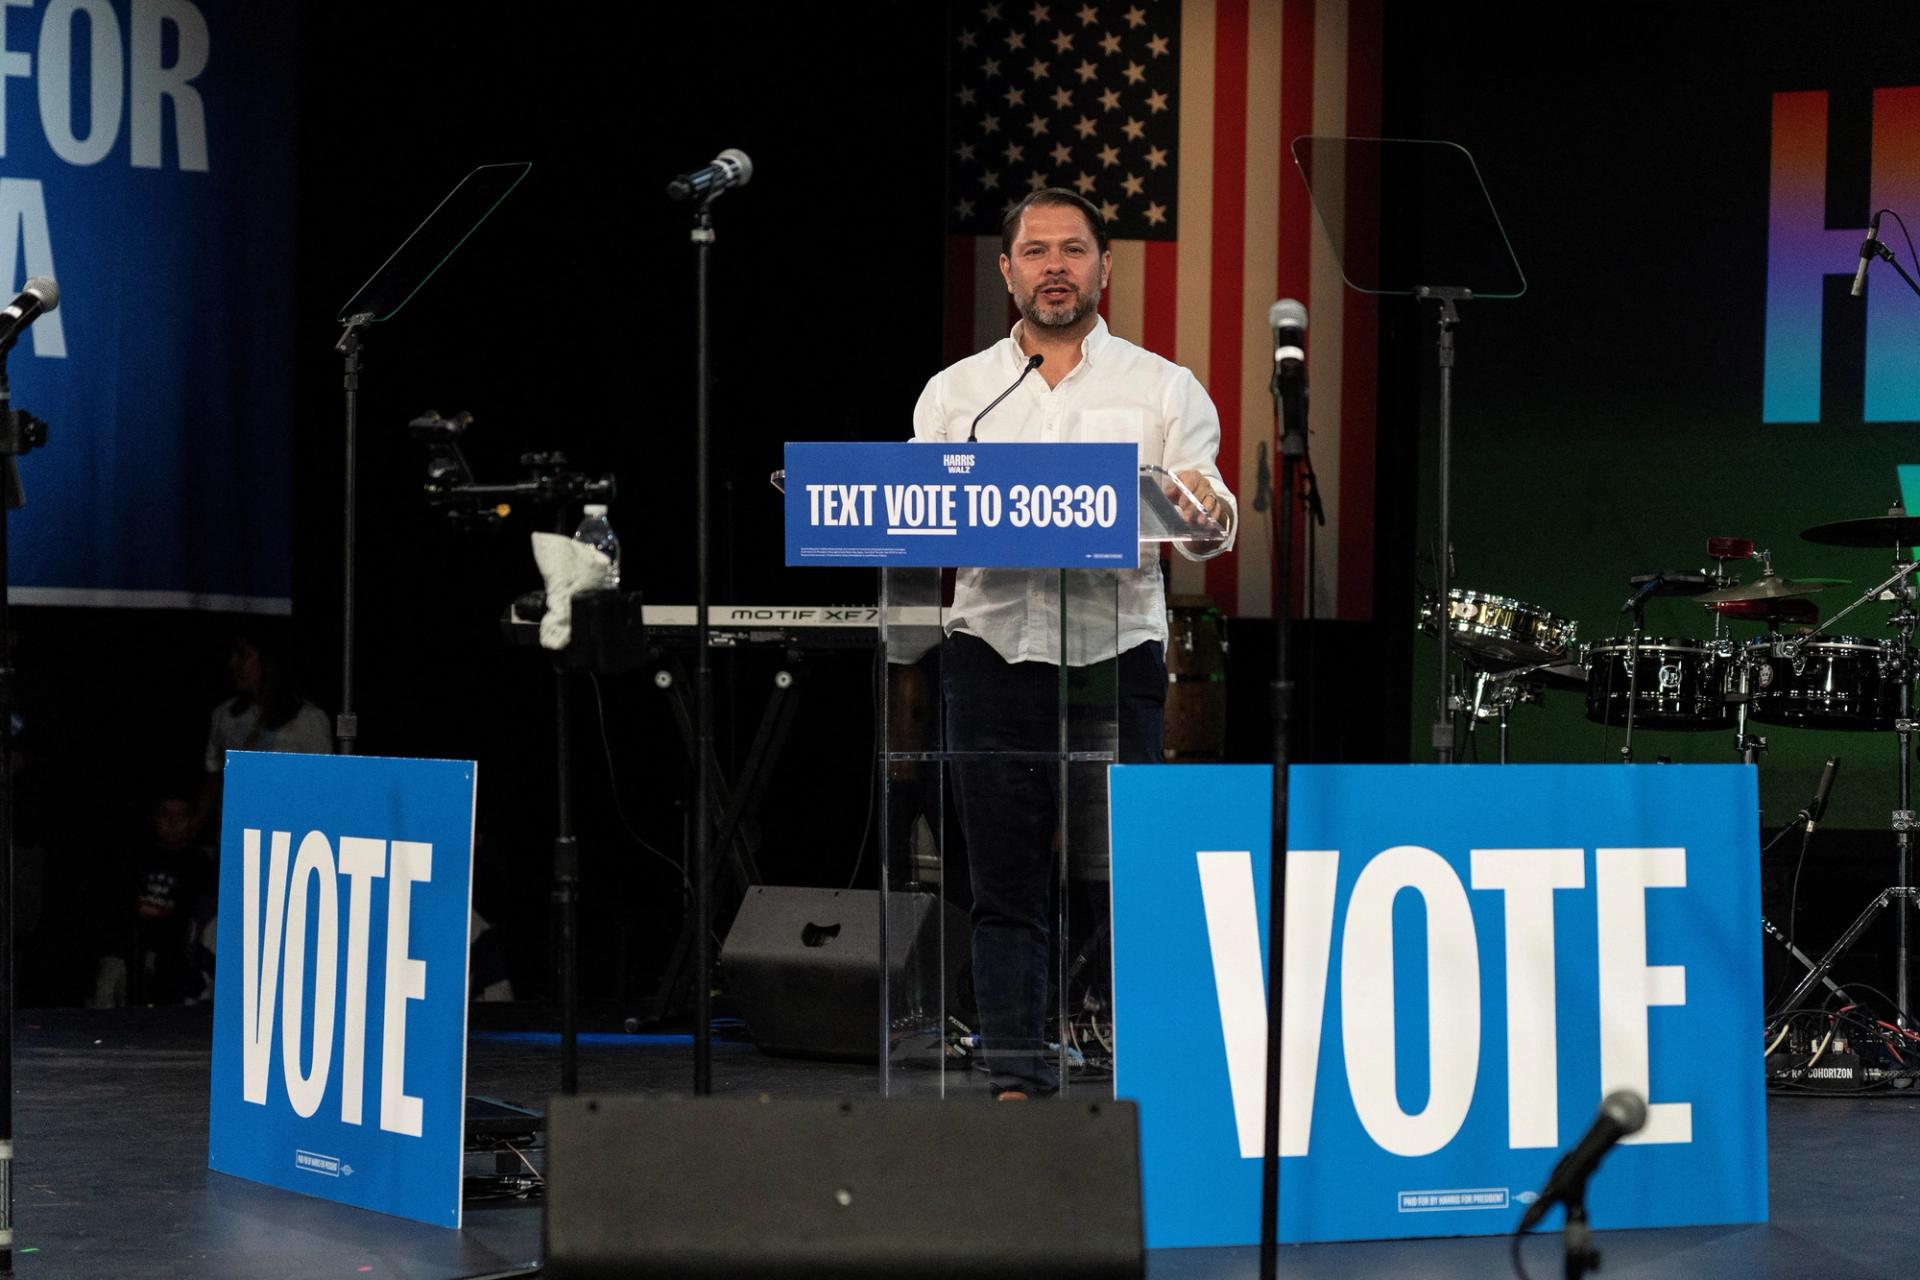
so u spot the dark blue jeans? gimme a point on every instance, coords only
(1009, 809)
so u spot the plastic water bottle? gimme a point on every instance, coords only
(597, 532)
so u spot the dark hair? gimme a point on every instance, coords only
(280, 690)
(1047, 197)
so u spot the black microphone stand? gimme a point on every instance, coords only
(19, 432)
(1290, 406)
(1577, 1238)
(702, 236)
(346, 726)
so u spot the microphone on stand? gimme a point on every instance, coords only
(1033, 362)
(729, 169)
(37, 297)
(1817, 807)
(1639, 597)
(1621, 1113)
(1288, 320)
(1867, 250)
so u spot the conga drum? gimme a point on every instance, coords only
(1196, 714)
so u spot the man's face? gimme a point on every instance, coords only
(1056, 270)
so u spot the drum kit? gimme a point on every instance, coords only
(1797, 672)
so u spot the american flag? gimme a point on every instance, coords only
(1173, 117)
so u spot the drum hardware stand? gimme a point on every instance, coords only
(1509, 690)
(1633, 663)
(1772, 930)
(1747, 745)
(1443, 730)
(1901, 666)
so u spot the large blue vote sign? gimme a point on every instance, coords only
(340, 999)
(1475, 957)
(1070, 506)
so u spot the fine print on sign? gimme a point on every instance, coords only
(984, 505)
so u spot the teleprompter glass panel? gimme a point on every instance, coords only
(1407, 214)
(424, 252)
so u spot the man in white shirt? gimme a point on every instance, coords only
(999, 672)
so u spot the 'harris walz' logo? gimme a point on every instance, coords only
(328, 1166)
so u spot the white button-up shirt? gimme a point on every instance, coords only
(1118, 392)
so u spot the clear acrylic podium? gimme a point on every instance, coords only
(931, 1043)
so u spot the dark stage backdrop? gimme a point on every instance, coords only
(1686, 192)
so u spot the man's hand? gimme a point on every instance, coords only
(1210, 502)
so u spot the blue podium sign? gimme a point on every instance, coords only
(340, 1000)
(1475, 957)
(1008, 506)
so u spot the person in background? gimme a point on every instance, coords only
(265, 713)
(162, 898)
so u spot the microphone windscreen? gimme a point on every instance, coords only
(739, 160)
(43, 288)
(1287, 313)
(1625, 1108)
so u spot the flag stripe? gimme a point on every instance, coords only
(1326, 352)
(1266, 52)
(1229, 239)
(1159, 277)
(1296, 231)
(1193, 256)
(1124, 302)
(1359, 357)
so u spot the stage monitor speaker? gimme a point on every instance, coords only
(846, 1189)
(803, 965)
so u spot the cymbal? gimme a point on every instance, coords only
(1872, 531)
(1769, 587)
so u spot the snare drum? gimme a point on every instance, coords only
(1682, 683)
(1501, 627)
(1836, 682)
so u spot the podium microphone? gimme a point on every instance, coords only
(37, 297)
(1867, 250)
(1033, 362)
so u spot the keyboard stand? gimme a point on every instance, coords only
(735, 818)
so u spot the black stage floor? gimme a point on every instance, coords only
(111, 1176)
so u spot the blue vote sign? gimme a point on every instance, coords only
(1034, 506)
(1475, 957)
(340, 999)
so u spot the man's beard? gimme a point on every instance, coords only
(1087, 303)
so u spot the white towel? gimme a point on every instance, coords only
(569, 567)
